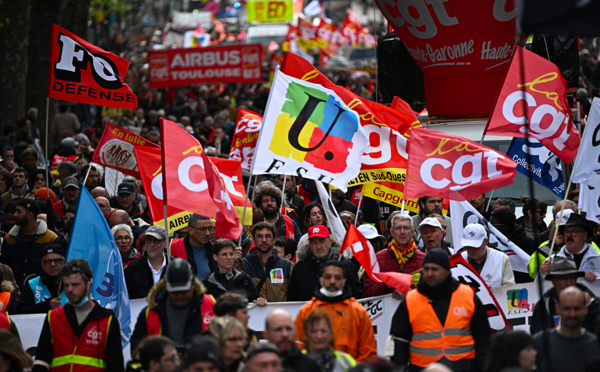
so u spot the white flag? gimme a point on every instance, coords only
(333, 218)
(586, 168)
(463, 214)
(589, 197)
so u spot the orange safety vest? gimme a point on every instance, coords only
(153, 321)
(4, 300)
(431, 341)
(70, 353)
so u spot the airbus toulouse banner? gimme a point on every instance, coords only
(218, 64)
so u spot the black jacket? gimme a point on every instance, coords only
(305, 277)
(138, 277)
(295, 361)
(216, 284)
(28, 304)
(440, 297)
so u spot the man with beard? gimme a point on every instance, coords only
(350, 322)
(41, 293)
(279, 330)
(270, 273)
(268, 199)
(26, 242)
(92, 178)
(19, 188)
(570, 345)
(81, 335)
(427, 206)
(440, 311)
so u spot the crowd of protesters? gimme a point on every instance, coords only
(198, 299)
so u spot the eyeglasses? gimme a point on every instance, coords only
(573, 232)
(265, 236)
(173, 359)
(204, 229)
(402, 228)
(55, 261)
(151, 239)
(543, 213)
(124, 237)
(271, 200)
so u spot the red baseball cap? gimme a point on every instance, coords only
(318, 231)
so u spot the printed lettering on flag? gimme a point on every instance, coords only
(453, 167)
(544, 168)
(151, 176)
(231, 174)
(309, 131)
(245, 137)
(390, 193)
(464, 273)
(115, 149)
(463, 214)
(544, 92)
(586, 168)
(387, 128)
(307, 35)
(81, 72)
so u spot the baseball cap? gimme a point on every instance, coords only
(156, 231)
(564, 218)
(201, 348)
(430, 221)
(473, 235)
(369, 231)
(53, 248)
(318, 231)
(69, 142)
(563, 266)
(179, 276)
(70, 182)
(31, 205)
(125, 188)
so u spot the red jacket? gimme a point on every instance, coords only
(387, 262)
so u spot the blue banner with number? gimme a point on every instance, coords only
(92, 240)
(545, 167)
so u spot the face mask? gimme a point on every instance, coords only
(81, 303)
(327, 293)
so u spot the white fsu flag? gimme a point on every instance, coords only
(463, 214)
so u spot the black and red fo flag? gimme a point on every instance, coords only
(81, 72)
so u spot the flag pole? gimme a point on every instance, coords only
(283, 190)
(360, 198)
(46, 165)
(164, 188)
(559, 219)
(87, 174)
(244, 211)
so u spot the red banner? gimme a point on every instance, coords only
(231, 174)
(548, 112)
(151, 176)
(116, 149)
(81, 72)
(453, 167)
(350, 30)
(190, 175)
(461, 46)
(216, 64)
(245, 137)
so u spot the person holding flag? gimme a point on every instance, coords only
(80, 335)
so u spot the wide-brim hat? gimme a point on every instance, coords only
(577, 220)
(563, 266)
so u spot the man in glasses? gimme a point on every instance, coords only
(270, 273)
(42, 293)
(575, 232)
(143, 273)
(196, 246)
(402, 255)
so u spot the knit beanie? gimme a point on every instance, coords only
(437, 256)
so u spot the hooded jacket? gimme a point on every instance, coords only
(23, 253)
(157, 300)
(305, 278)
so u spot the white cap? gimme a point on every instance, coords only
(565, 216)
(369, 231)
(473, 235)
(430, 221)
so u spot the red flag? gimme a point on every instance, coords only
(548, 112)
(81, 72)
(453, 167)
(116, 149)
(231, 173)
(151, 176)
(245, 137)
(191, 176)
(365, 255)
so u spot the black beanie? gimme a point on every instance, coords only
(437, 256)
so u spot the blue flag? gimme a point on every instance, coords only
(92, 240)
(545, 167)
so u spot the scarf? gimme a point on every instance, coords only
(402, 255)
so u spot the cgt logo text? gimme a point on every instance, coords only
(74, 58)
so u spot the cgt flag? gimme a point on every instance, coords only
(115, 150)
(453, 167)
(310, 132)
(81, 72)
(92, 240)
(544, 92)
(231, 174)
(245, 137)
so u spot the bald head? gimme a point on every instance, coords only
(279, 329)
(99, 191)
(119, 216)
(104, 205)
